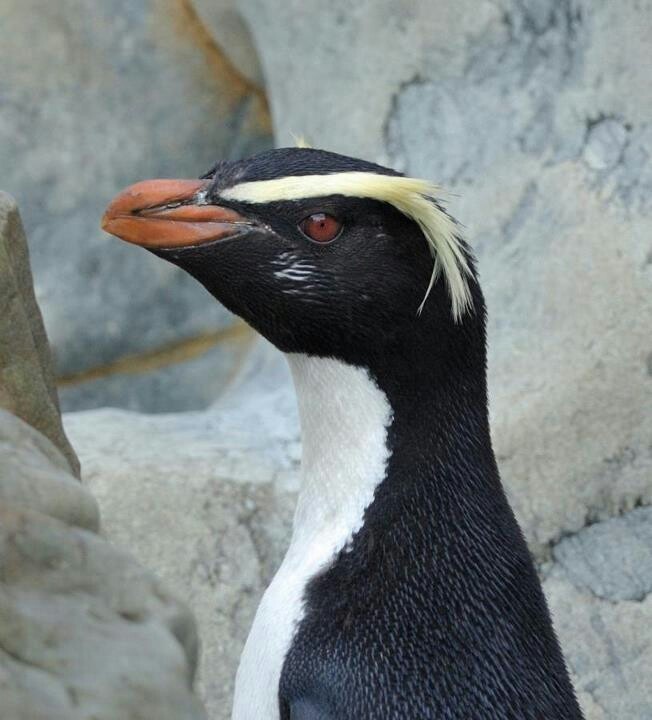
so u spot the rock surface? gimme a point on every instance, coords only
(85, 632)
(27, 386)
(600, 593)
(226, 25)
(188, 376)
(104, 95)
(613, 559)
(608, 648)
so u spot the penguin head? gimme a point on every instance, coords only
(322, 254)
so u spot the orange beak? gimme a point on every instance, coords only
(160, 214)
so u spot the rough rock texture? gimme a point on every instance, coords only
(102, 95)
(231, 33)
(35, 475)
(539, 123)
(608, 644)
(27, 386)
(85, 632)
(613, 559)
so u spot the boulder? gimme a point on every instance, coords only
(104, 95)
(612, 559)
(224, 22)
(34, 475)
(84, 631)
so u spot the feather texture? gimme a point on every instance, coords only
(413, 197)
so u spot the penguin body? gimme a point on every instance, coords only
(407, 590)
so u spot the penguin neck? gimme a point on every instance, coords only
(359, 434)
(345, 418)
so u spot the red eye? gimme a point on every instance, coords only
(320, 227)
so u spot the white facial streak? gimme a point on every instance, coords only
(344, 422)
(411, 196)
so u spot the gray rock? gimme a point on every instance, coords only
(103, 95)
(375, 46)
(227, 26)
(608, 649)
(539, 124)
(612, 559)
(84, 632)
(188, 377)
(35, 475)
(27, 386)
(605, 144)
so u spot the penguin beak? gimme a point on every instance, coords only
(160, 214)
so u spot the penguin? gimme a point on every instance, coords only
(407, 590)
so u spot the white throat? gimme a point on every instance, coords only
(344, 421)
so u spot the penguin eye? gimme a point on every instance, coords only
(320, 227)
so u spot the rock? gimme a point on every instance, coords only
(27, 386)
(605, 144)
(84, 632)
(113, 93)
(608, 648)
(612, 559)
(227, 26)
(35, 475)
(186, 377)
(222, 483)
(376, 46)
(539, 124)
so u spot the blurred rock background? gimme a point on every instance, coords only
(536, 115)
(95, 96)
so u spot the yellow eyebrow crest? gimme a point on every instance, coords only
(413, 197)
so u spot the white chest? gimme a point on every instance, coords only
(344, 421)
